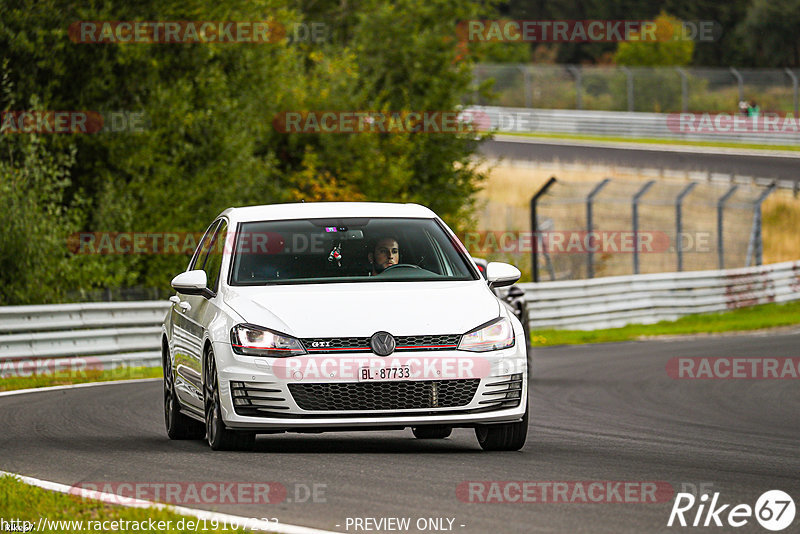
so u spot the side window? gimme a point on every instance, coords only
(202, 249)
(214, 261)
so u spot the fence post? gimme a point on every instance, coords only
(679, 222)
(720, 238)
(684, 89)
(629, 75)
(476, 79)
(794, 91)
(740, 82)
(526, 80)
(535, 228)
(578, 75)
(589, 201)
(756, 244)
(635, 206)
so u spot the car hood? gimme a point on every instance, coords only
(361, 309)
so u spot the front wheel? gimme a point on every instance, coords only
(504, 436)
(218, 436)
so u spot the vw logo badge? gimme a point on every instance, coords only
(382, 343)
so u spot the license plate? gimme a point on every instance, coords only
(384, 374)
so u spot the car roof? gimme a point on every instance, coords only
(324, 210)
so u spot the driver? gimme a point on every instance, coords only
(386, 252)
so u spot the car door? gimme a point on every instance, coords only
(188, 331)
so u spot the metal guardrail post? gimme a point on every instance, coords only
(679, 222)
(684, 89)
(740, 82)
(635, 208)
(476, 79)
(756, 244)
(535, 227)
(720, 238)
(589, 225)
(526, 80)
(629, 75)
(578, 75)
(794, 91)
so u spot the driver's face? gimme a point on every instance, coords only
(387, 252)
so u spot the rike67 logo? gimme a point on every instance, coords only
(774, 510)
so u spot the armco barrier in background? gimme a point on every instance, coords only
(108, 335)
(88, 336)
(648, 298)
(640, 125)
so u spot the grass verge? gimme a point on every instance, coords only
(70, 513)
(744, 319)
(616, 139)
(68, 376)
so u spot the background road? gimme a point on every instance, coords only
(606, 412)
(727, 161)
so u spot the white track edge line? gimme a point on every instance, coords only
(248, 523)
(75, 386)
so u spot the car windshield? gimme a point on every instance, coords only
(346, 250)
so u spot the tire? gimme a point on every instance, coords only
(432, 431)
(218, 436)
(179, 426)
(504, 436)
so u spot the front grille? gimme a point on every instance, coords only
(400, 395)
(327, 345)
(505, 393)
(257, 398)
(443, 342)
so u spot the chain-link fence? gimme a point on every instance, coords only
(659, 89)
(618, 227)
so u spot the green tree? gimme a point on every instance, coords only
(209, 142)
(770, 30)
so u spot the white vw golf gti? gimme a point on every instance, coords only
(341, 316)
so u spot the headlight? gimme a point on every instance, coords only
(252, 340)
(498, 334)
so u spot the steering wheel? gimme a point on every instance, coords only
(410, 265)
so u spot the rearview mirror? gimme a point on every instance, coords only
(501, 274)
(190, 282)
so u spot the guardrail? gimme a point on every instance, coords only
(628, 124)
(102, 334)
(648, 298)
(118, 334)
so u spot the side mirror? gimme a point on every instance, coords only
(501, 274)
(191, 282)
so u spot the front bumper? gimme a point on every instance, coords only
(272, 388)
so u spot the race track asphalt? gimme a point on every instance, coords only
(599, 413)
(724, 161)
